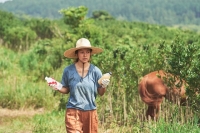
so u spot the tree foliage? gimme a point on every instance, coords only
(7, 20)
(74, 16)
(102, 15)
(19, 38)
(44, 28)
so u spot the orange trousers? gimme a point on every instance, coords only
(79, 121)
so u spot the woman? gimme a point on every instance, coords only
(81, 81)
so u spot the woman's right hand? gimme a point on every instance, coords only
(53, 83)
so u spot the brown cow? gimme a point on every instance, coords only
(156, 85)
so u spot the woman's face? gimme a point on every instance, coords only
(84, 55)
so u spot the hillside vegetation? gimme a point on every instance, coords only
(32, 48)
(167, 12)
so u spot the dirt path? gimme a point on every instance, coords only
(14, 113)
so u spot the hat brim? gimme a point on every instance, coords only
(70, 53)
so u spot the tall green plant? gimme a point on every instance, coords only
(183, 61)
(43, 59)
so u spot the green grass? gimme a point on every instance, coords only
(15, 124)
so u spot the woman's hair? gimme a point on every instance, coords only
(76, 59)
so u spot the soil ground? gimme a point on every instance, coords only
(16, 113)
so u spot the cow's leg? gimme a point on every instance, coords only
(153, 112)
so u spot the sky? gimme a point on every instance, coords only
(2, 1)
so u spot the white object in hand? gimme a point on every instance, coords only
(53, 83)
(105, 83)
(104, 76)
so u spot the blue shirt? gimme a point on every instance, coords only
(83, 91)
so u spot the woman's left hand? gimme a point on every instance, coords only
(105, 83)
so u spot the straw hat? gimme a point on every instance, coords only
(80, 44)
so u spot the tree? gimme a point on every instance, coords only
(44, 28)
(7, 20)
(19, 38)
(74, 16)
